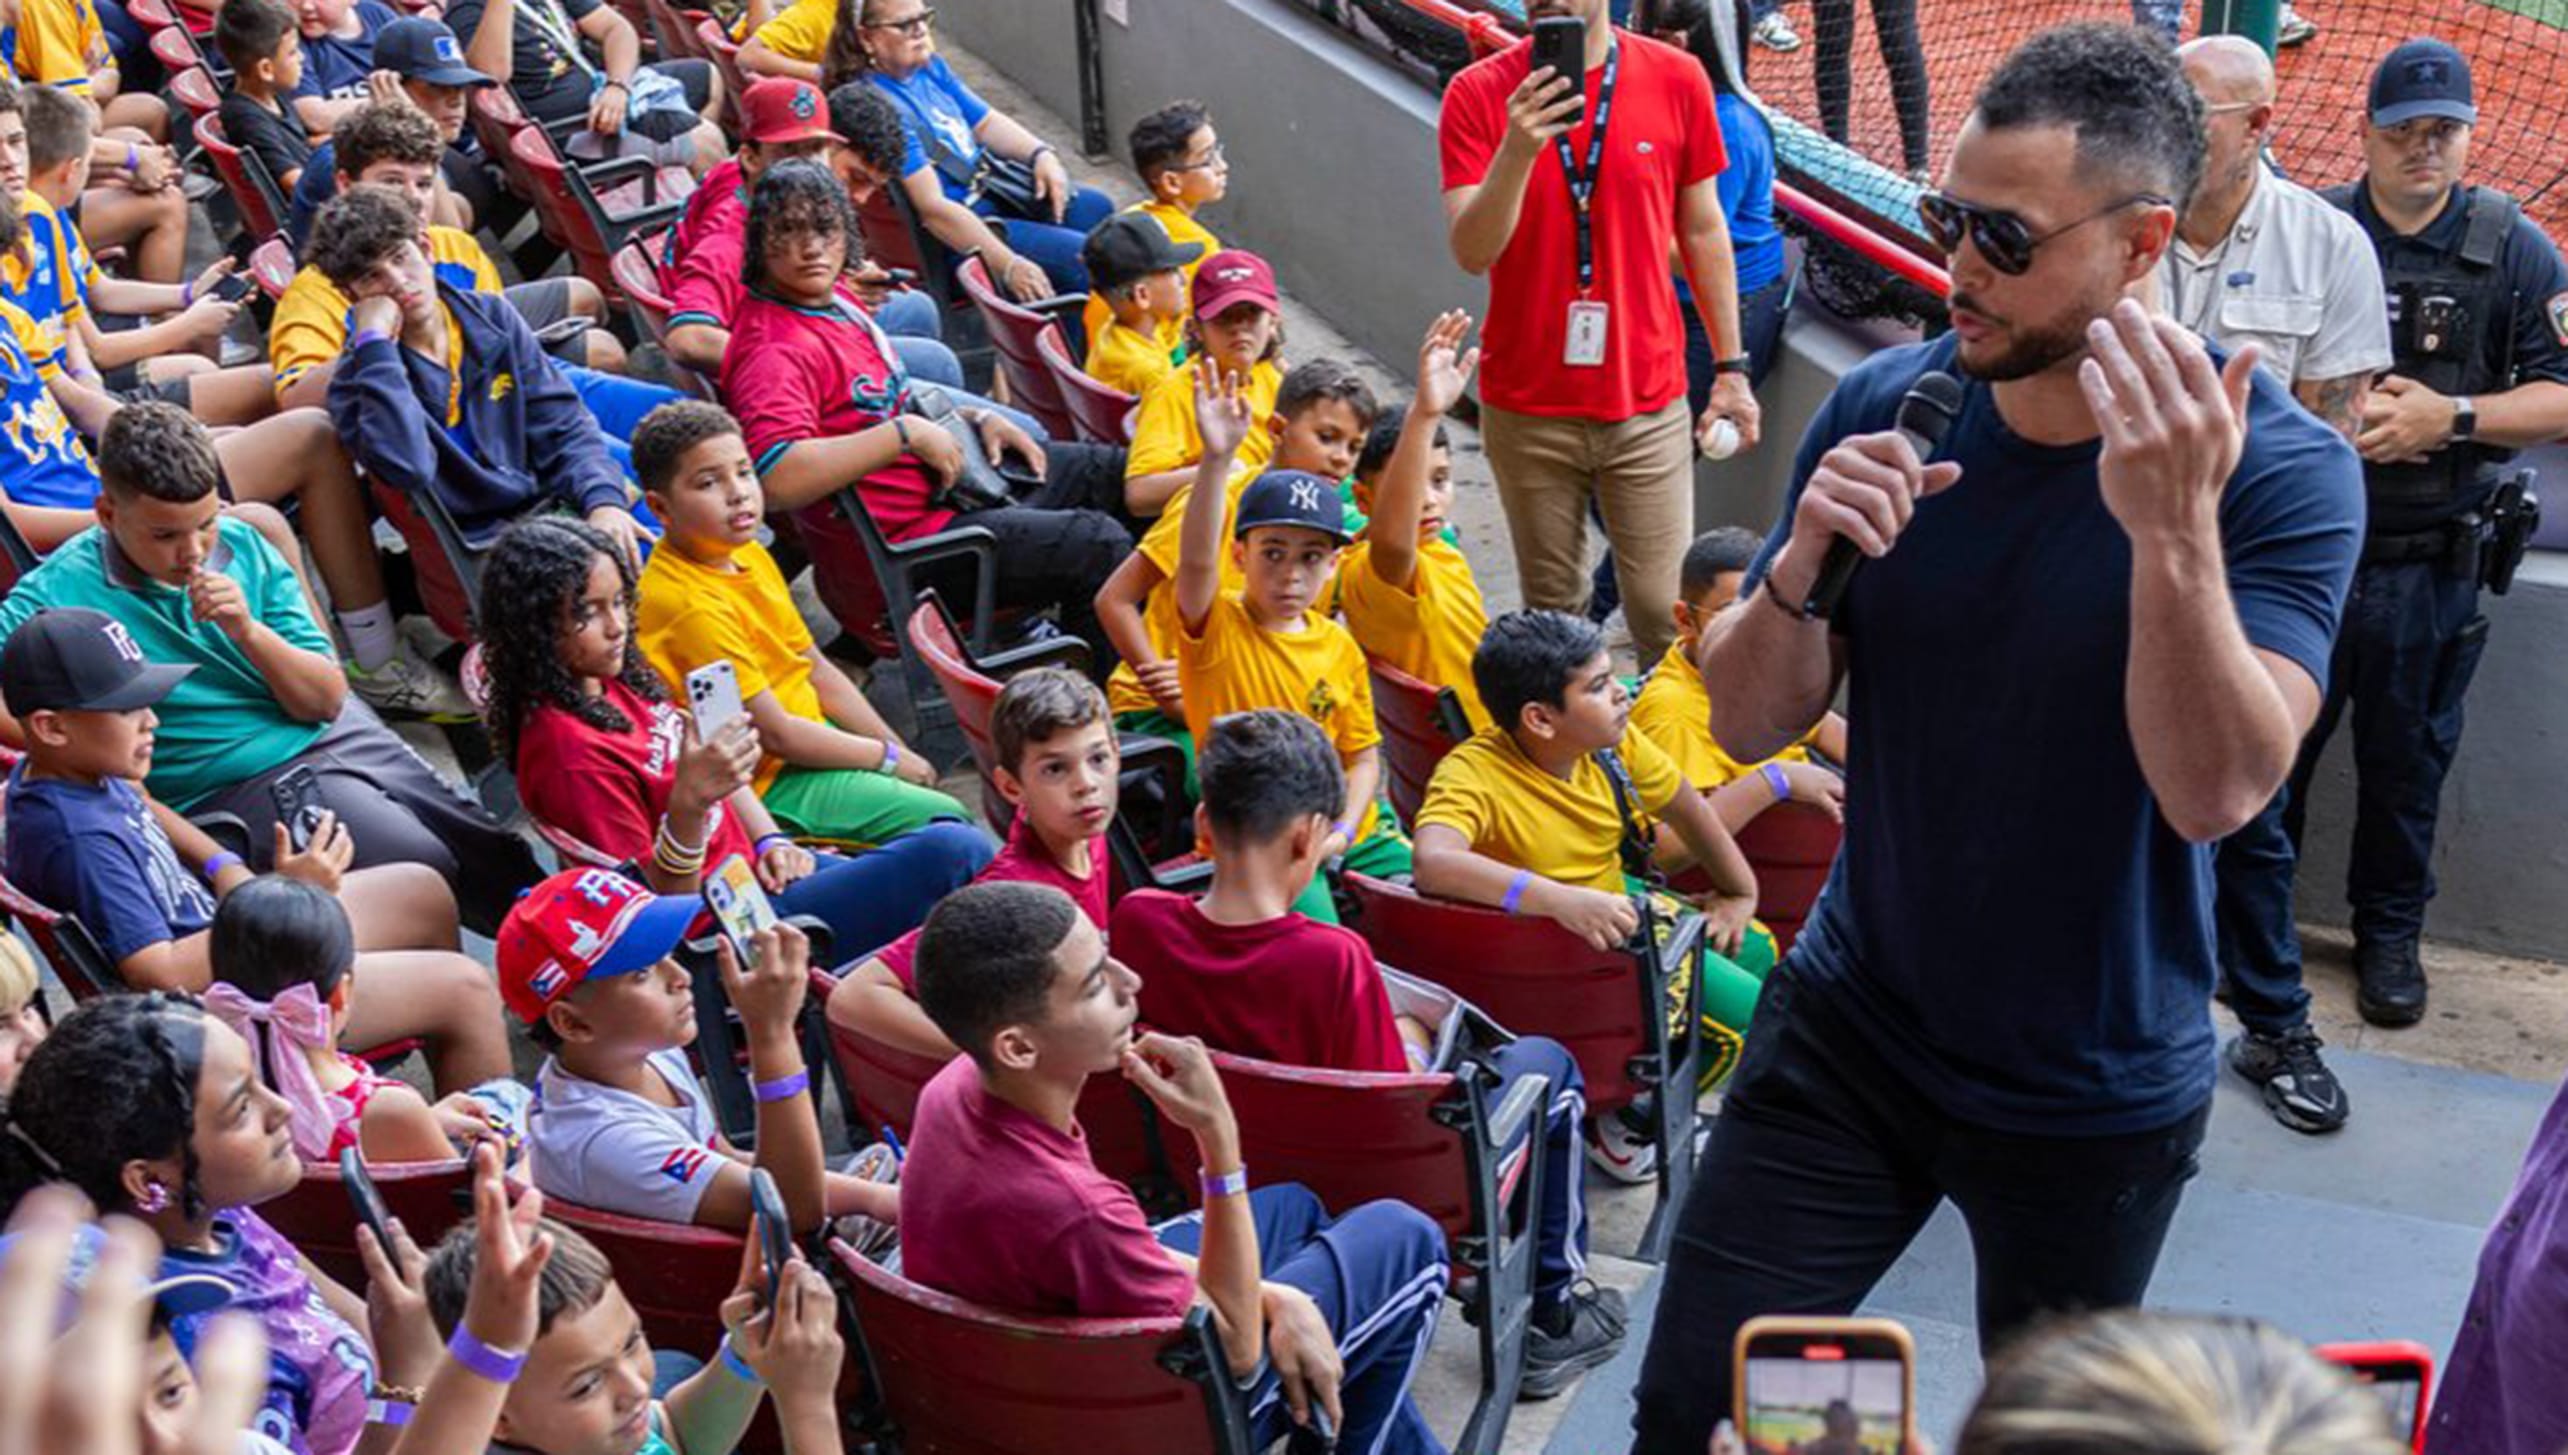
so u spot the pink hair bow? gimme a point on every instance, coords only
(298, 1023)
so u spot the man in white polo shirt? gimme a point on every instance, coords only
(2258, 258)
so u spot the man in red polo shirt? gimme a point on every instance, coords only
(1583, 388)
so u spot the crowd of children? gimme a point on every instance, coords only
(264, 891)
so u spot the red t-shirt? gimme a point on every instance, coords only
(1003, 1209)
(706, 287)
(719, 204)
(1024, 859)
(1290, 990)
(609, 789)
(794, 373)
(1663, 137)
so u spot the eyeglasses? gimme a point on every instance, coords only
(910, 25)
(2002, 237)
(1212, 159)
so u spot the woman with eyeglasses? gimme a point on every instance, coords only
(968, 162)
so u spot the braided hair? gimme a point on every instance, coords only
(538, 568)
(793, 197)
(114, 1083)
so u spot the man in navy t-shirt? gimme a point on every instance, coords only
(2085, 644)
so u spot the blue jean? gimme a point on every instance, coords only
(618, 404)
(125, 39)
(1560, 1224)
(882, 894)
(2404, 658)
(1054, 247)
(1378, 1275)
(2166, 17)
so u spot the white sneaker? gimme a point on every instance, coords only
(2294, 28)
(1775, 33)
(1619, 1151)
(408, 687)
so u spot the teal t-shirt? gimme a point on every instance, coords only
(222, 724)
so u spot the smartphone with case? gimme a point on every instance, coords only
(2400, 1371)
(1823, 1386)
(740, 906)
(713, 696)
(1560, 42)
(297, 792)
(775, 1231)
(368, 1201)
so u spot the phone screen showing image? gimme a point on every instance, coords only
(740, 906)
(1825, 1398)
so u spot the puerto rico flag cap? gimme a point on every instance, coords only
(582, 925)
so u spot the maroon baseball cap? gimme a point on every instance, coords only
(776, 110)
(1231, 277)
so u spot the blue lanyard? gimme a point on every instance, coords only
(1582, 181)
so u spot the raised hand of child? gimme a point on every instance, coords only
(510, 1250)
(405, 1338)
(795, 1346)
(1223, 414)
(712, 769)
(1605, 921)
(1444, 370)
(324, 858)
(769, 993)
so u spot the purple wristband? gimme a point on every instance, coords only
(497, 1366)
(392, 1414)
(1516, 890)
(222, 860)
(365, 336)
(764, 840)
(783, 1086)
(1777, 780)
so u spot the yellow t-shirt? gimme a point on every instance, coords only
(1182, 228)
(1428, 631)
(689, 614)
(1164, 437)
(800, 31)
(311, 323)
(60, 43)
(1158, 545)
(1674, 711)
(1121, 358)
(1234, 665)
(1566, 830)
(51, 273)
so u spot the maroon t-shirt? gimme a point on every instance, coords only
(1005, 1210)
(1024, 859)
(1289, 990)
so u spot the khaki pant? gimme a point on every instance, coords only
(1641, 471)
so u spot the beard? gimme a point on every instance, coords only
(2024, 350)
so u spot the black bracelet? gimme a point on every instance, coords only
(1774, 594)
(624, 86)
(1736, 364)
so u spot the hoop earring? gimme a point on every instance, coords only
(155, 1199)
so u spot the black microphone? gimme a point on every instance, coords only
(1925, 415)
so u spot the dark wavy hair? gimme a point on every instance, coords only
(114, 1083)
(2138, 121)
(865, 120)
(535, 571)
(796, 197)
(843, 59)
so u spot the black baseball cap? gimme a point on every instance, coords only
(2423, 78)
(416, 48)
(73, 659)
(1292, 497)
(1130, 246)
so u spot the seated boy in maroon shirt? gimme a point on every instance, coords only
(1057, 767)
(1321, 1319)
(1242, 970)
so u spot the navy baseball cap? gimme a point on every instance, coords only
(178, 1295)
(1292, 497)
(416, 48)
(73, 659)
(2423, 78)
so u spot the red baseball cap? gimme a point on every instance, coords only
(777, 110)
(1234, 276)
(582, 925)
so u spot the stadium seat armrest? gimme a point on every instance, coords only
(1061, 651)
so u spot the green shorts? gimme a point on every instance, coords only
(1382, 854)
(852, 807)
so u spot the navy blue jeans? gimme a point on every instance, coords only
(1054, 247)
(1378, 1275)
(1560, 1224)
(2404, 658)
(880, 895)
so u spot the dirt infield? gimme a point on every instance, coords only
(2519, 63)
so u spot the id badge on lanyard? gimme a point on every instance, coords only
(1583, 343)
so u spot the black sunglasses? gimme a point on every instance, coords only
(2002, 237)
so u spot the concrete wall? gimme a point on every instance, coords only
(1336, 157)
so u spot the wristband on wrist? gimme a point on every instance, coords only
(187, 293)
(222, 860)
(1516, 890)
(783, 1086)
(365, 336)
(392, 1414)
(1776, 779)
(1774, 594)
(499, 1366)
(1344, 829)
(738, 1366)
(133, 158)
(765, 841)
(1233, 1183)
(624, 86)
(900, 427)
(891, 758)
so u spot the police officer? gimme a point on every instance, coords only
(2478, 301)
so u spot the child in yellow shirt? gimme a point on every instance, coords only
(1269, 644)
(1237, 325)
(1675, 709)
(1524, 816)
(832, 769)
(1407, 592)
(1322, 412)
(1179, 157)
(1142, 277)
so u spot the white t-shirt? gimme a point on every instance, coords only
(2296, 276)
(608, 1149)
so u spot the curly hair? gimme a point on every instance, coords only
(665, 435)
(796, 197)
(157, 449)
(357, 230)
(864, 119)
(536, 570)
(114, 1083)
(2138, 120)
(384, 131)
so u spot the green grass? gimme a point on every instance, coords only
(2552, 13)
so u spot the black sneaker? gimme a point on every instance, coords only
(2390, 982)
(2299, 1089)
(1585, 1331)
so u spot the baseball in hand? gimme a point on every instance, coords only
(1722, 441)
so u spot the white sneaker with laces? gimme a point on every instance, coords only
(409, 687)
(1775, 33)
(1619, 1151)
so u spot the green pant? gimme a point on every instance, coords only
(1158, 724)
(1731, 984)
(852, 807)
(1383, 854)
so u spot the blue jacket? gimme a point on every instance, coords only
(524, 437)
